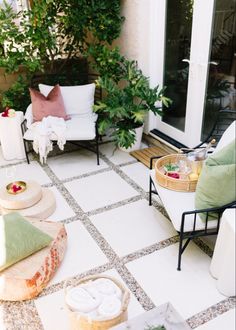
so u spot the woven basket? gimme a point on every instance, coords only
(165, 181)
(81, 322)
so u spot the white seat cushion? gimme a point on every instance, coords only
(77, 99)
(79, 127)
(176, 203)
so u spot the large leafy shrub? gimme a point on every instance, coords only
(128, 96)
(53, 32)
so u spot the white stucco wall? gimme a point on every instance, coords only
(134, 40)
(142, 39)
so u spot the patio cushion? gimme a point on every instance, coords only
(28, 277)
(219, 171)
(50, 105)
(176, 203)
(77, 99)
(79, 127)
(19, 239)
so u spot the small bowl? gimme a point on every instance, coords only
(21, 184)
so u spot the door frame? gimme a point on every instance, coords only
(198, 67)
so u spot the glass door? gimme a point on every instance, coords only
(179, 16)
(221, 84)
(187, 42)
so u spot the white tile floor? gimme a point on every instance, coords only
(115, 155)
(75, 164)
(158, 276)
(63, 210)
(33, 171)
(100, 190)
(138, 172)
(130, 226)
(81, 255)
(225, 321)
(117, 226)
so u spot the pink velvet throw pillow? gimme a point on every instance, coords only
(52, 105)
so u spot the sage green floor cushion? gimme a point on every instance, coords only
(217, 183)
(27, 278)
(19, 239)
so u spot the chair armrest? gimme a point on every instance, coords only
(23, 127)
(207, 211)
(29, 115)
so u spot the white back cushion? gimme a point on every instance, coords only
(77, 99)
(227, 137)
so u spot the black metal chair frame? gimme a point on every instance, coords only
(86, 145)
(190, 235)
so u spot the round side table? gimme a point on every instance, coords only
(11, 136)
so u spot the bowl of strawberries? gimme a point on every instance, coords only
(16, 187)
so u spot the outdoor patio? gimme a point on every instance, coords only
(112, 229)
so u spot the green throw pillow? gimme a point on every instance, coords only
(19, 239)
(217, 183)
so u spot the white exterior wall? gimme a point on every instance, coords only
(134, 40)
(142, 39)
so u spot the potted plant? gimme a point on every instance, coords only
(128, 99)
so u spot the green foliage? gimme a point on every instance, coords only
(17, 97)
(55, 29)
(217, 88)
(107, 62)
(128, 96)
(158, 327)
(50, 31)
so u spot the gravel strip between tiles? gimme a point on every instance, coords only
(212, 312)
(21, 316)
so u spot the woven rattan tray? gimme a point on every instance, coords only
(181, 184)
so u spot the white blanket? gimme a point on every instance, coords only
(42, 132)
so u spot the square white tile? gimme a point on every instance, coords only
(63, 210)
(82, 253)
(24, 172)
(139, 173)
(99, 190)
(225, 321)
(190, 290)
(53, 314)
(52, 311)
(75, 163)
(133, 226)
(115, 155)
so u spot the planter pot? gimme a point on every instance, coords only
(138, 138)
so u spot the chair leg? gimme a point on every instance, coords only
(150, 191)
(180, 250)
(97, 150)
(26, 152)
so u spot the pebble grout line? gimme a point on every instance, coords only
(28, 309)
(211, 312)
